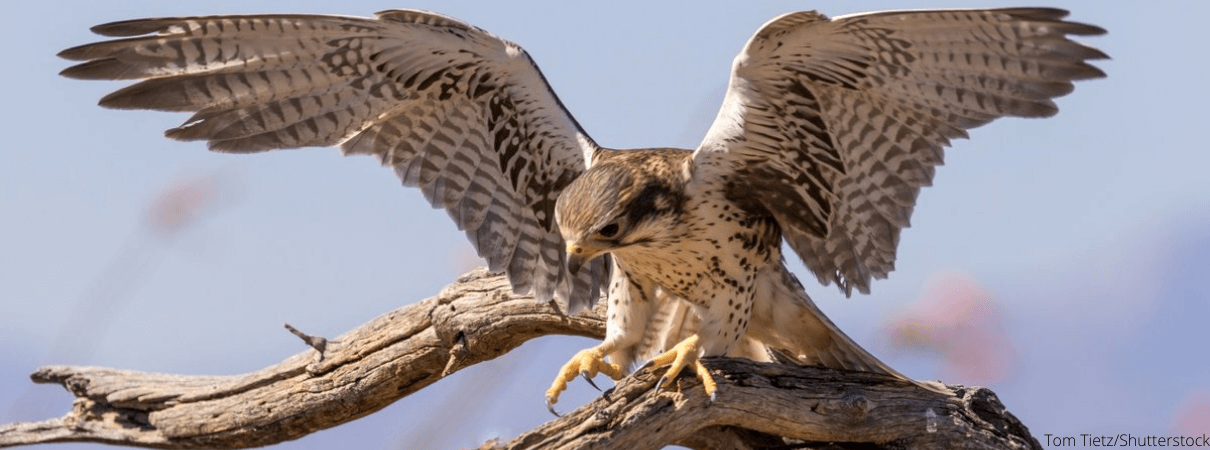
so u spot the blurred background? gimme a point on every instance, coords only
(1061, 262)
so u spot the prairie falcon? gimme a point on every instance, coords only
(828, 130)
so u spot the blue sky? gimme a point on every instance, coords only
(1090, 229)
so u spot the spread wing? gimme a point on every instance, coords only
(836, 124)
(464, 115)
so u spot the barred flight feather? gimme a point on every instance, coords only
(856, 111)
(457, 112)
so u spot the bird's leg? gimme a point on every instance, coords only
(681, 355)
(588, 363)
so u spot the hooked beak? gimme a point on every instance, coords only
(578, 254)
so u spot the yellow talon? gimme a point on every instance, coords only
(707, 381)
(680, 356)
(589, 363)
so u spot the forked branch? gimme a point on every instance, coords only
(478, 319)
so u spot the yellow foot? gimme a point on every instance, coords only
(677, 358)
(588, 363)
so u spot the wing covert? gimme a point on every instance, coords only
(838, 123)
(463, 115)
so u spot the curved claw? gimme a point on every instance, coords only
(587, 378)
(550, 406)
(682, 355)
(660, 383)
(587, 363)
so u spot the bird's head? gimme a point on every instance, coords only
(615, 206)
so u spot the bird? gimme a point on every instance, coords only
(828, 130)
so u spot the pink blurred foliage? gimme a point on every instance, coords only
(1192, 417)
(959, 320)
(186, 201)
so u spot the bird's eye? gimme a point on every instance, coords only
(609, 231)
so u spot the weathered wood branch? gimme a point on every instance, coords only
(478, 319)
(783, 406)
(474, 320)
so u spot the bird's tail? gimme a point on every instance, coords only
(786, 320)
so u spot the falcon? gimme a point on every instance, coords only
(828, 131)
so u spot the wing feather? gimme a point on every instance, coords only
(838, 123)
(461, 114)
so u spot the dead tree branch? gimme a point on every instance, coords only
(781, 406)
(478, 319)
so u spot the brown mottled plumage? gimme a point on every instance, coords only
(829, 129)
(687, 261)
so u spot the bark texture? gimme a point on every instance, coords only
(476, 319)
